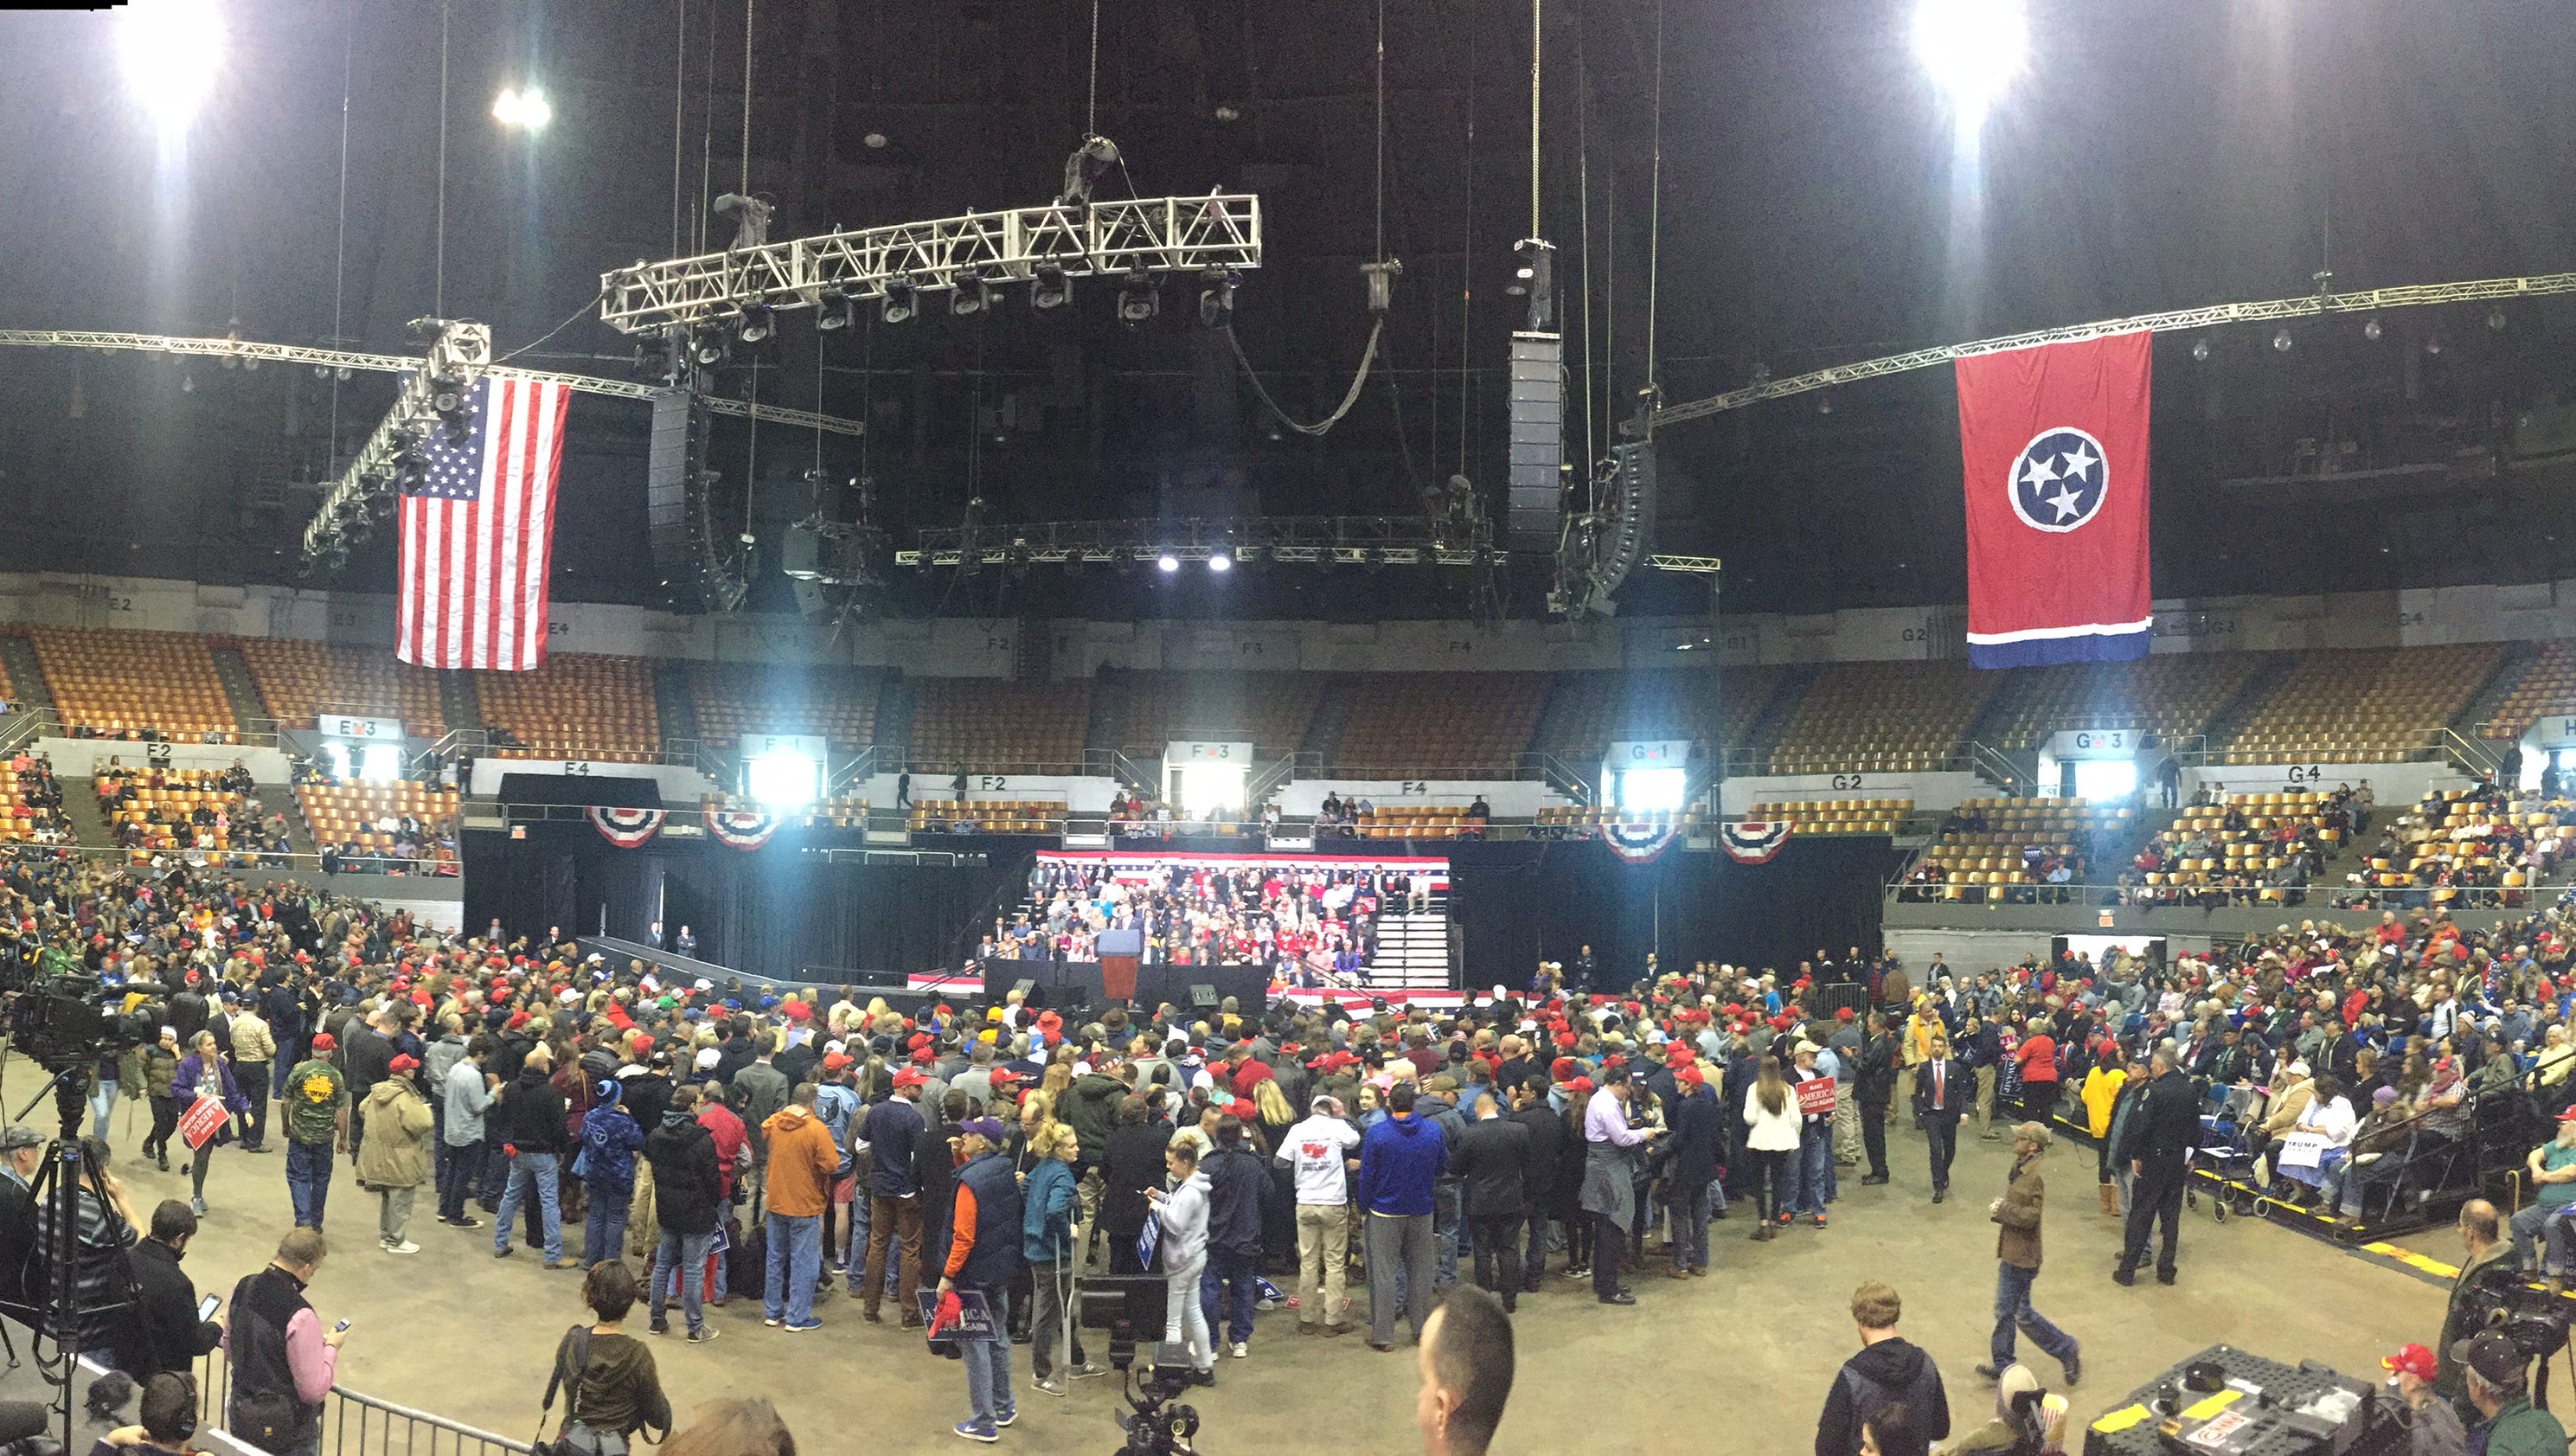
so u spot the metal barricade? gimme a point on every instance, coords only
(356, 1424)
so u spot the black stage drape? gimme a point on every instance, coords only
(772, 911)
(1516, 904)
(776, 911)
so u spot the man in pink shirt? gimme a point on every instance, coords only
(281, 1358)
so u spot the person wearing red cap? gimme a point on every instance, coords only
(395, 1160)
(316, 1113)
(2436, 1426)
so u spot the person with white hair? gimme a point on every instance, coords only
(2027, 1418)
(2552, 1167)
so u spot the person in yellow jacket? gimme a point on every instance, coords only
(2101, 1089)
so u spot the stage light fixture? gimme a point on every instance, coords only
(1139, 302)
(971, 296)
(1167, 563)
(522, 108)
(757, 323)
(2433, 346)
(2370, 329)
(1972, 48)
(833, 310)
(709, 350)
(1216, 297)
(653, 359)
(902, 301)
(2281, 341)
(2200, 350)
(2495, 319)
(1048, 287)
(782, 779)
(171, 50)
(1220, 563)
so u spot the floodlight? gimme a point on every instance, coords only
(1973, 49)
(1048, 287)
(757, 323)
(900, 304)
(971, 296)
(171, 49)
(833, 310)
(2370, 329)
(709, 350)
(1138, 301)
(2281, 340)
(1216, 297)
(1168, 562)
(781, 779)
(2200, 350)
(1220, 563)
(522, 108)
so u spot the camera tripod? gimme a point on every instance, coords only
(68, 1170)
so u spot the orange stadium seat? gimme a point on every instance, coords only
(1439, 724)
(2362, 704)
(1271, 709)
(1837, 816)
(1597, 708)
(2547, 690)
(833, 703)
(118, 681)
(1882, 717)
(300, 680)
(579, 705)
(2174, 695)
(347, 813)
(989, 725)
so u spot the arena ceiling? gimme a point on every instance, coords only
(1813, 211)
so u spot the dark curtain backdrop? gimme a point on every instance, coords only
(1514, 905)
(773, 911)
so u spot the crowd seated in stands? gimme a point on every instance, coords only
(2476, 847)
(1307, 925)
(31, 802)
(203, 815)
(2244, 849)
(2017, 851)
(401, 828)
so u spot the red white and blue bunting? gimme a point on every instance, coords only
(627, 828)
(1640, 844)
(1752, 841)
(741, 828)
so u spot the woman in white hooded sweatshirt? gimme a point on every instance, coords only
(1183, 1213)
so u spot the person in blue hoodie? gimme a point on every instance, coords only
(1400, 1159)
(1048, 1205)
(609, 1141)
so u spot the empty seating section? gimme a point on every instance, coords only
(1425, 822)
(991, 816)
(1571, 817)
(850, 811)
(114, 682)
(579, 705)
(300, 680)
(735, 698)
(2173, 696)
(1881, 717)
(2362, 704)
(2547, 690)
(161, 805)
(1439, 724)
(1837, 816)
(1271, 709)
(987, 725)
(1984, 841)
(1631, 707)
(370, 815)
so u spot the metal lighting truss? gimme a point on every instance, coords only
(253, 351)
(2371, 300)
(458, 355)
(1155, 235)
(1343, 540)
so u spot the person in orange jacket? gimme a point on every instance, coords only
(802, 1162)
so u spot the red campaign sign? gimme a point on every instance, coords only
(1816, 1096)
(200, 1122)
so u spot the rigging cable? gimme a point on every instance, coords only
(1583, 233)
(746, 97)
(679, 123)
(1536, 11)
(1466, 270)
(1655, 201)
(438, 287)
(340, 256)
(1091, 113)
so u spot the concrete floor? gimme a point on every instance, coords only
(1751, 1350)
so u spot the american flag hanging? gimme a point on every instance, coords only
(478, 530)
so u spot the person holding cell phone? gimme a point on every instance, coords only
(175, 1329)
(281, 1360)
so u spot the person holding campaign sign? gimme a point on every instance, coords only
(203, 1085)
(1813, 1164)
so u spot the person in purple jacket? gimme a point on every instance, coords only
(202, 1073)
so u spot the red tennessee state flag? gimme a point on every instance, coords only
(2054, 441)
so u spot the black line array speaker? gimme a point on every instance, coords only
(676, 482)
(1538, 442)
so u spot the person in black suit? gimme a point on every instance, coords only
(1944, 1086)
(1543, 1170)
(2157, 1147)
(1873, 1085)
(1492, 1167)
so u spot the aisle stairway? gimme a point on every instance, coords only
(26, 675)
(457, 705)
(241, 691)
(80, 806)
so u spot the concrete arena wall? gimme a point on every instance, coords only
(2519, 612)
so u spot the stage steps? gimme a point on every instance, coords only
(1413, 950)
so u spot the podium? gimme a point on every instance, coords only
(1120, 951)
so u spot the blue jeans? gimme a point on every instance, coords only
(1808, 1166)
(308, 1180)
(1225, 1268)
(457, 1167)
(102, 1101)
(2012, 1308)
(1690, 1227)
(535, 1171)
(795, 1262)
(604, 1236)
(687, 1253)
(988, 1362)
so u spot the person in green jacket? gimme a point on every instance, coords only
(2509, 1424)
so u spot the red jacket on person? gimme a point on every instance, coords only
(730, 1136)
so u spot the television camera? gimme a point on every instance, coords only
(1121, 1305)
(66, 1019)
